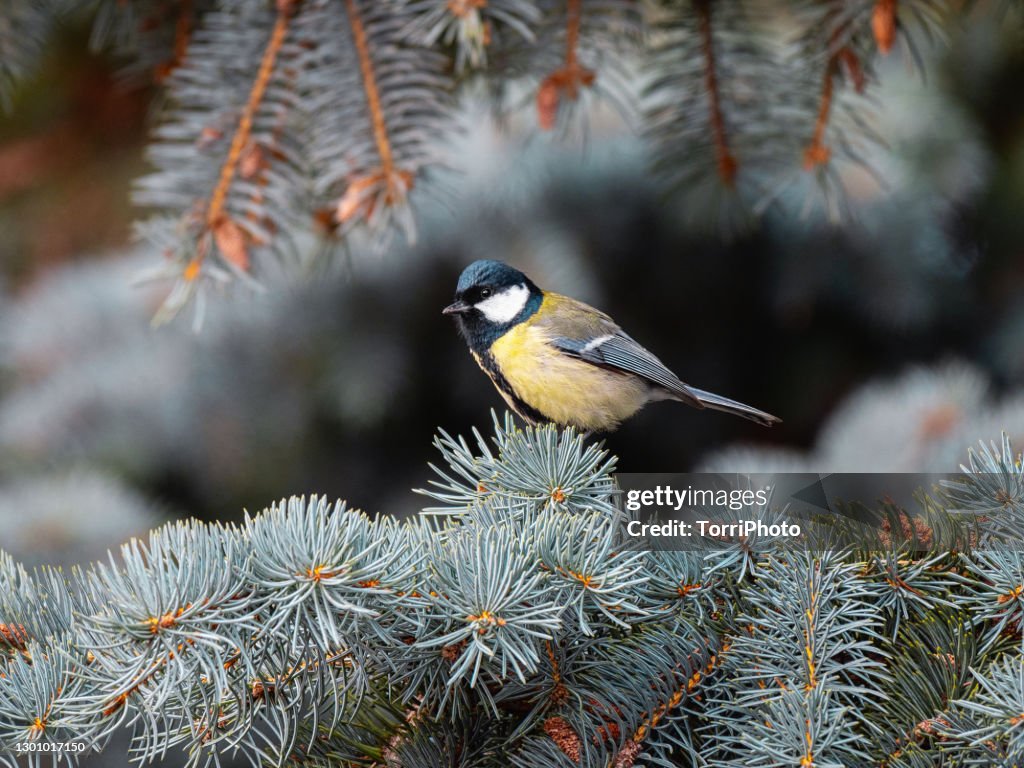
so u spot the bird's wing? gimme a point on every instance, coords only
(584, 332)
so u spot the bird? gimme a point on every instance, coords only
(557, 360)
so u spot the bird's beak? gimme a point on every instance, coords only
(457, 308)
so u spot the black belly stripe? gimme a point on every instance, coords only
(489, 366)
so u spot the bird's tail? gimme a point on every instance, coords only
(719, 403)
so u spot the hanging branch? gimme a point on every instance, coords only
(567, 81)
(231, 204)
(471, 27)
(850, 40)
(227, 234)
(837, 50)
(386, 185)
(346, 113)
(727, 165)
(838, 37)
(712, 100)
(883, 24)
(182, 33)
(817, 153)
(559, 64)
(151, 35)
(379, 104)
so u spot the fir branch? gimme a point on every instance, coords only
(727, 166)
(379, 103)
(993, 585)
(216, 220)
(470, 26)
(801, 669)
(520, 629)
(582, 53)
(993, 713)
(817, 153)
(991, 491)
(565, 82)
(646, 731)
(152, 35)
(844, 51)
(714, 136)
(910, 586)
(38, 691)
(931, 667)
(844, 40)
(389, 183)
(247, 197)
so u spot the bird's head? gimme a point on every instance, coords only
(490, 298)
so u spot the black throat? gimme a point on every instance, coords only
(480, 333)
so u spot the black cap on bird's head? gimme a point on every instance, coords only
(490, 298)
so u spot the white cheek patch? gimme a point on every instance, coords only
(503, 307)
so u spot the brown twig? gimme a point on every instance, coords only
(568, 80)
(883, 24)
(727, 165)
(630, 751)
(817, 153)
(380, 131)
(215, 218)
(362, 192)
(182, 34)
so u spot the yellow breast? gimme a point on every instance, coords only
(566, 390)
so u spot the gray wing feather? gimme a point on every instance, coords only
(621, 352)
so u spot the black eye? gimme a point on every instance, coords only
(485, 292)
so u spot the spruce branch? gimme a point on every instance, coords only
(387, 182)
(991, 718)
(471, 27)
(843, 41)
(151, 35)
(247, 195)
(844, 56)
(991, 489)
(712, 135)
(312, 632)
(910, 586)
(800, 669)
(515, 625)
(724, 156)
(582, 54)
(931, 668)
(291, 122)
(379, 102)
(993, 584)
(567, 81)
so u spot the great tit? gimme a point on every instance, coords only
(555, 359)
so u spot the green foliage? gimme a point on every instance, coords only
(514, 624)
